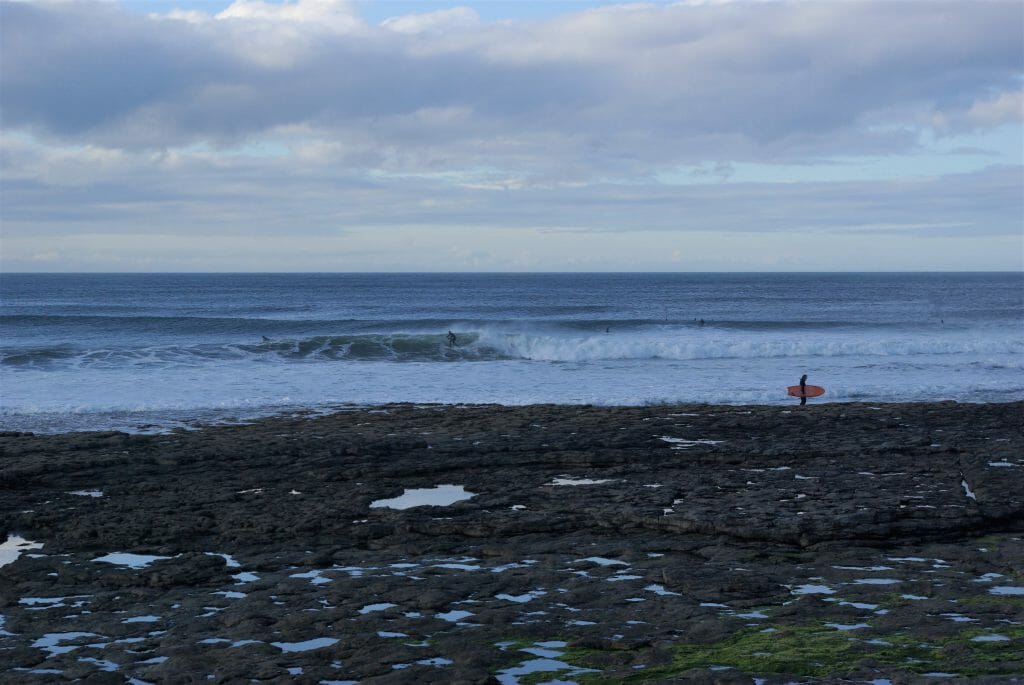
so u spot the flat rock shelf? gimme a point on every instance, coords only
(717, 544)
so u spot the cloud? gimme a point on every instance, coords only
(457, 18)
(618, 88)
(300, 121)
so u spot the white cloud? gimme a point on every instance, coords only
(457, 18)
(338, 15)
(1004, 108)
(268, 116)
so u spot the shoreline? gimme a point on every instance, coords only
(191, 423)
(644, 542)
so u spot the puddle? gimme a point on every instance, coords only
(855, 605)
(579, 481)
(876, 581)
(1007, 590)
(660, 590)
(510, 676)
(603, 561)
(454, 616)
(990, 638)
(458, 567)
(960, 618)
(228, 559)
(381, 606)
(437, 496)
(52, 602)
(847, 626)
(135, 561)
(51, 642)
(87, 493)
(306, 645)
(967, 490)
(12, 548)
(522, 599)
(314, 577)
(812, 590)
(681, 444)
(142, 619)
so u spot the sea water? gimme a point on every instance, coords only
(154, 351)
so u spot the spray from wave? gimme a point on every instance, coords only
(502, 345)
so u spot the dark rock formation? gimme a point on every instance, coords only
(642, 543)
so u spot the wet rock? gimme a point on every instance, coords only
(733, 527)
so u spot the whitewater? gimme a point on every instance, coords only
(143, 352)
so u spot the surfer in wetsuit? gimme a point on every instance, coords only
(451, 339)
(803, 389)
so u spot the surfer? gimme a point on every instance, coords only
(803, 389)
(265, 339)
(451, 339)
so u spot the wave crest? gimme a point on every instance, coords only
(500, 345)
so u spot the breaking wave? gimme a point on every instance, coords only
(498, 345)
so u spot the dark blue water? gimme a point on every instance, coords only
(99, 350)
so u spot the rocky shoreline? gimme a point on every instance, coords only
(829, 543)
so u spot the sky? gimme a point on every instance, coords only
(504, 135)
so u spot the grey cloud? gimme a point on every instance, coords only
(618, 90)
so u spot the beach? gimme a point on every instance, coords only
(845, 542)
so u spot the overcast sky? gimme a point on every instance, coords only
(333, 135)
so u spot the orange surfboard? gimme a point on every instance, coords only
(811, 391)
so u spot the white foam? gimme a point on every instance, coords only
(87, 493)
(437, 496)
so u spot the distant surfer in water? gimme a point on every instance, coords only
(803, 389)
(266, 339)
(451, 339)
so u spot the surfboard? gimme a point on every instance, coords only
(812, 390)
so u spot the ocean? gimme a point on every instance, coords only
(152, 352)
